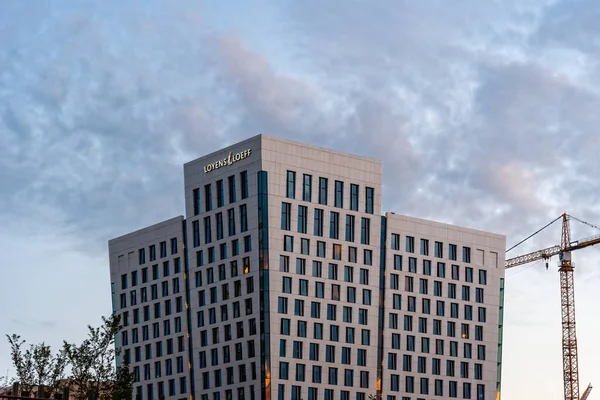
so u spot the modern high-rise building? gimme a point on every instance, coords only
(284, 280)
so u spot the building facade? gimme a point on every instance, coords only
(285, 281)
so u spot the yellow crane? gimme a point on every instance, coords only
(567, 296)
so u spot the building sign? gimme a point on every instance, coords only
(230, 160)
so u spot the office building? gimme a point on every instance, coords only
(285, 280)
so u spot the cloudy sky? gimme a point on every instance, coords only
(483, 112)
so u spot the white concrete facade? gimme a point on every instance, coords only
(148, 283)
(282, 309)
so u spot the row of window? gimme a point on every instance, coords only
(166, 271)
(232, 193)
(319, 291)
(426, 309)
(438, 248)
(435, 387)
(163, 389)
(219, 274)
(219, 230)
(318, 331)
(409, 286)
(155, 330)
(223, 254)
(154, 293)
(294, 392)
(336, 250)
(146, 369)
(156, 307)
(223, 312)
(213, 292)
(314, 393)
(423, 326)
(227, 331)
(338, 198)
(224, 377)
(440, 346)
(171, 347)
(423, 365)
(319, 220)
(317, 375)
(152, 251)
(317, 270)
(440, 270)
(315, 311)
(229, 394)
(330, 352)
(225, 355)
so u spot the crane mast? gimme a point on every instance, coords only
(567, 299)
(567, 303)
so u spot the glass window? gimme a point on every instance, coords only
(290, 189)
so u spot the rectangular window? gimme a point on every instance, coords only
(479, 295)
(244, 180)
(410, 244)
(302, 219)
(426, 267)
(466, 254)
(286, 216)
(284, 264)
(339, 194)
(353, 197)
(368, 257)
(231, 184)
(482, 277)
(288, 243)
(317, 270)
(469, 274)
(320, 249)
(395, 245)
(196, 200)
(369, 200)
(207, 230)
(196, 233)
(220, 193)
(397, 262)
(323, 191)
(318, 222)
(307, 187)
(243, 218)
(438, 250)
(452, 252)
(290, 187)
(219, 217)
(337, 252)
(365, 231)
(334, 225)
(231, 221)
(305, 246)
(207, 197)
(350, 228)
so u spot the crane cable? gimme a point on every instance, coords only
(583, 222)
(533, 234)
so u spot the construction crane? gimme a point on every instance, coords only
(567, 296)
(587, 392)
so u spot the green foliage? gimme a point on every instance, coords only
(37, 366)
(92, 365)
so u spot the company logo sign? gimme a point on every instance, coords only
(229, 160)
